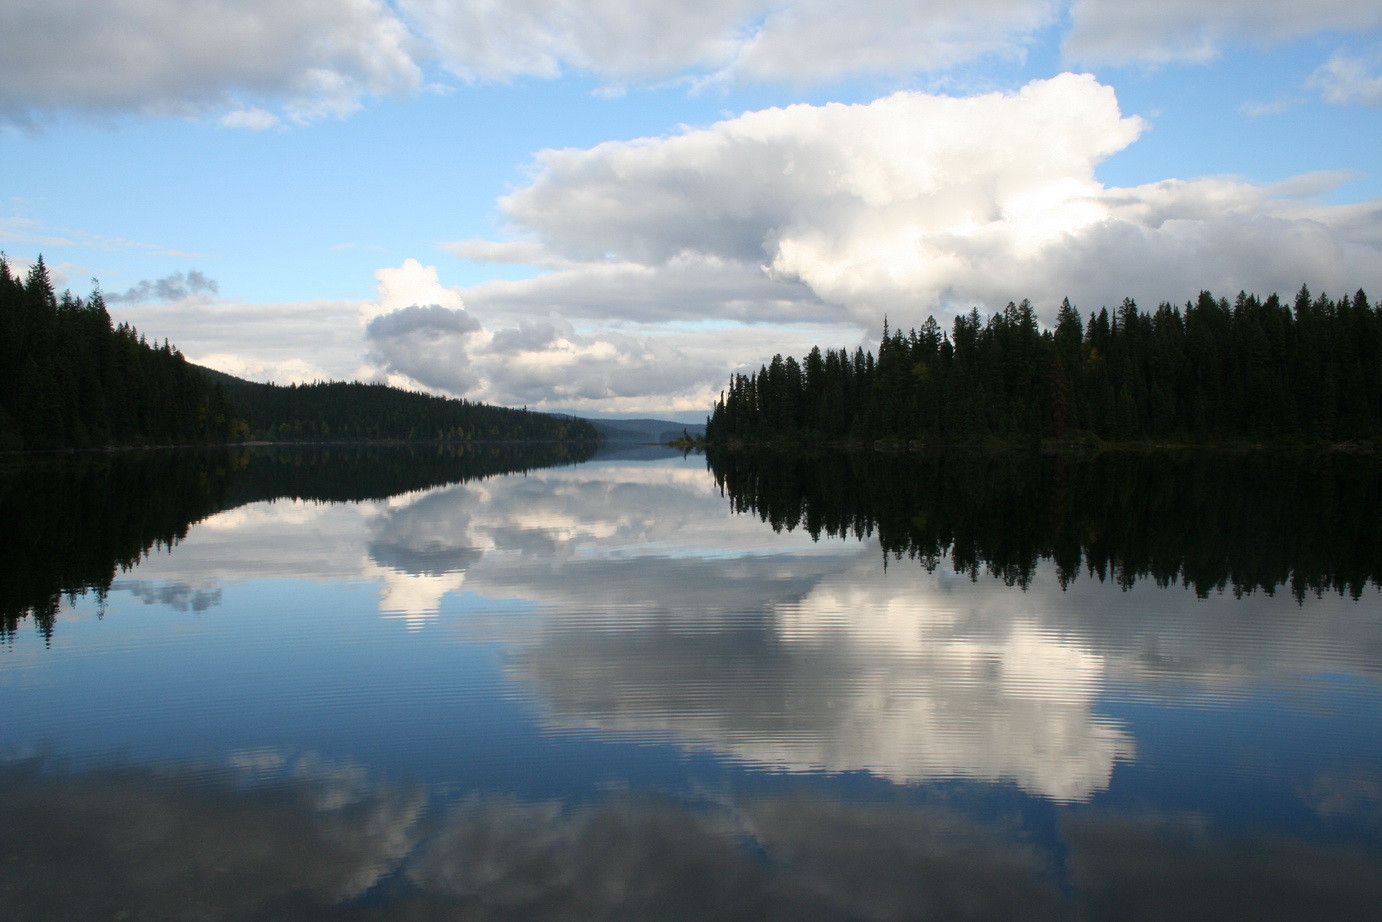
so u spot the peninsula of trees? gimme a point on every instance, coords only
(358, 412)
(1211, 371)
(71, 378)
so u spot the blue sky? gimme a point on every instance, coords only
(608, 207)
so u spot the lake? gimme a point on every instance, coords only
(431, 683)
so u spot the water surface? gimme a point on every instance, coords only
(443, 685)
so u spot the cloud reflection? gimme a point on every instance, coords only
(178, 843)
(307, 838)
(654, 614)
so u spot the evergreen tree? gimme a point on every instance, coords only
(1255, 370)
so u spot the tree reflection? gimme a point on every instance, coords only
(72, 523)
(1248, 522)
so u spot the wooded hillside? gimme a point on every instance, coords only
(70, 378)
(354, 411)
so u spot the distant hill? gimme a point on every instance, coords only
(354, 411)
(645, 430)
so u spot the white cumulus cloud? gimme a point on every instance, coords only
(911, 204)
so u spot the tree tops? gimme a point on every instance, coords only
(70, 378)
(1253, 369)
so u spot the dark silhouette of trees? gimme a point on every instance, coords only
(69, 378)
(1211, 371)
(339, 411)
(1254, 521)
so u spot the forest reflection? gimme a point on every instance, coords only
(1211, 521)
(74, 522)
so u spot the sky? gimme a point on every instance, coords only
(608, 207)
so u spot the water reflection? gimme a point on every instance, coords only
(73, 523)
(1252, 521)
(271, 837)
(653, 615)
(602, 691)
(173, 842)
(909, 687)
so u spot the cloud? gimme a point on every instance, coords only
(175, 287)
(257, 64)
(253, 119)
(543, 362)
(261, 63)
(659, 263)
(294, 342)
(1349, 80)
(1260, 109)
(797, 40)
(540, 364)
(1121, 31)
(314, 58)
(908, 205)
(428, 320)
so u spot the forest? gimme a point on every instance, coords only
(1211, 371)
(71, 378)
(354, 411)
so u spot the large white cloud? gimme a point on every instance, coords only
(911, 204)
(318, 57)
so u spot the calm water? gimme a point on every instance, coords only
(393, 685)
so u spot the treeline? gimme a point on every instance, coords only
(354, 411)
(1211, 371)
(1301, 521)
(70, 378)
